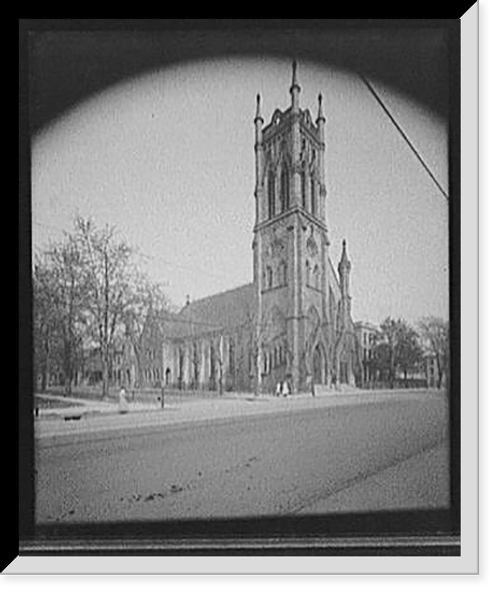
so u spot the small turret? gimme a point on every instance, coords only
(321, 116)
(320, 120)
(258, 121)
(259, 161)
(344, 269)
(295, 88)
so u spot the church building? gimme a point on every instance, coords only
(293, 320)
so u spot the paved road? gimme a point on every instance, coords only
(282, 462)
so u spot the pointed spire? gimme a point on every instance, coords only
(294, 73)
(295, 88)
(344, 259)
(321, 116)
(295, 82)
(258, 122)
(258, 114)
(344, 274)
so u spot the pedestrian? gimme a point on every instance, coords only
(123, 403)
(278, 389)
(285, 390)
(334, 381)
(310, 382)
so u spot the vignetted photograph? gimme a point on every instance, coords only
(242, 284)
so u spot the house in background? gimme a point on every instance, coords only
(367, 336)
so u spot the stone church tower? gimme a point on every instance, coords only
(293, 320)
(304, 321)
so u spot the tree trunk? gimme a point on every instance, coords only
(43, 387)
(105, 379)
(138, 361)
(439, 370)
(67, 369)
(45, 371)
(67, 384)
(257, 375)
(46, 364)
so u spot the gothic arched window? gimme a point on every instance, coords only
(181, 364)
(282, 273)
(313, 196)
(332, 308)
(271, 193)
(303, 186)
(316, 277)
(196, 363)
(212, 362)
(308, 273)
(285, 188)
(269, 276)
(232, 359)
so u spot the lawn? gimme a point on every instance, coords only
(50, 403)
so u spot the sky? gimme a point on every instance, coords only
(168, 159)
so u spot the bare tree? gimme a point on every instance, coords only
(390, 329)
(108, 274)
(257, 333)
(59, 295)
(408, 352)
(435, 334)
(45, 322)
(145, 315)
(381, 362)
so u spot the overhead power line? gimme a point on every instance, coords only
(178, 266)
(172, 264)
(170, 317)
(403, 134)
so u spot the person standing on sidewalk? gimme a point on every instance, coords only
(334, 381)
(285, 390)
(310, 382)
(122, 401)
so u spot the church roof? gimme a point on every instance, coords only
(226, 310)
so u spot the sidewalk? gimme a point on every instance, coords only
(89, 416)
(79, 406)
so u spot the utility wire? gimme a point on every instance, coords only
(402, 133)
(172, 317)
(147, 256)
(176, 319)
(177, 266)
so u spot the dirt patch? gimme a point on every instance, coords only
(52, 403)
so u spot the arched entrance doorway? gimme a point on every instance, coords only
(319, 363)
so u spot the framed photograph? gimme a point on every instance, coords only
(241, 246)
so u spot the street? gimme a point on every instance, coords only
(285, 461)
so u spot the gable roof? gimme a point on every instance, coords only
(226, 310)
(333, 277)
